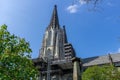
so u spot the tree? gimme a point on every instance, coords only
(93, 2)
(15, 59)
(90, 1)
(106, 72)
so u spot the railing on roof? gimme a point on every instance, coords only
(61, 61)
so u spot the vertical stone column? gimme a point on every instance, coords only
(76, 68)
(40, 76)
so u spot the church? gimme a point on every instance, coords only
(57, 59)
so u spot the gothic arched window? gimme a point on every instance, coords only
(54, 77)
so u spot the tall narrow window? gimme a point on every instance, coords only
(49, 38)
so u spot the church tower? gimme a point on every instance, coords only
(55, 58)
(55, 40)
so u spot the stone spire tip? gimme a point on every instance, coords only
(54, 23)
(55, 6)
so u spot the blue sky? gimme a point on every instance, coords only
(92, 33)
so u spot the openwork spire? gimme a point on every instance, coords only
(54, 23)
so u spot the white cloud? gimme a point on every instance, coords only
(118, 50)
(110, 4)
(73, 8)
(82, 2)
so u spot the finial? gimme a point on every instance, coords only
(63, 26)
(55, 6)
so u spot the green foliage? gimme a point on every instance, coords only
(11, 43)
(106, 72)
(15, 60)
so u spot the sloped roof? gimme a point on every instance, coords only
(99, 60)
(116, 57)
